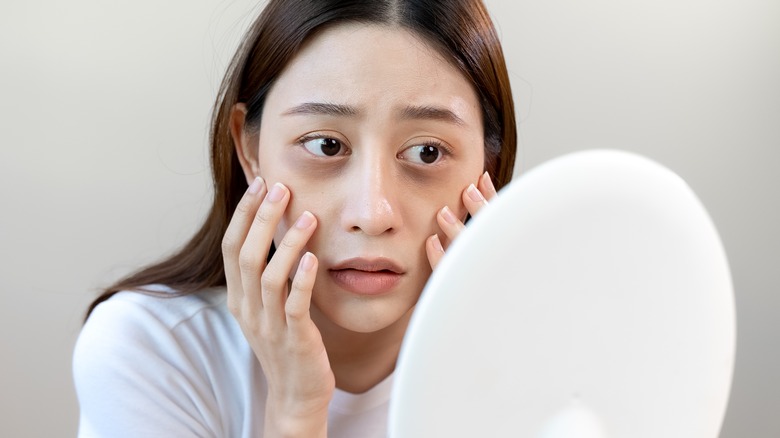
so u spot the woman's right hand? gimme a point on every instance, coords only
(276, 323)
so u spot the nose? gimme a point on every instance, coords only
(372, 200)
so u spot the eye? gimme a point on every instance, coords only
(427, 153)
(323, 146)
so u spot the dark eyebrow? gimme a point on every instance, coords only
(322, 108)
(424, 112)
(431, 113)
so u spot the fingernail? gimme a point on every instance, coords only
(448, 216)
(256, 185)
(437, 243)
(487, 180)
(305, 220)
(307, 262)
(474, 194)
(277, 193)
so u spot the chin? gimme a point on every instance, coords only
(366, 314)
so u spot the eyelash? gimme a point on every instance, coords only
(314, 136)
(443, 149)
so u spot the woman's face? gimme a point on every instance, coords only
(373, 132)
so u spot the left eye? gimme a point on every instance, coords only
(422, 154)
(324, 146)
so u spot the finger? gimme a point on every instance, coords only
(434, 250)
(473, 199)
(485, 185)
(234, 238)
(278, 271)
(254, 252)
(298, 304)
(450, 224)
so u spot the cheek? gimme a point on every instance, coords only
(425, 205)
(451, 192)
(306, 196)
(432, 193)
(306, 193)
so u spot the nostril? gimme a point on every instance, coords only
(370, 212)
(359, 229)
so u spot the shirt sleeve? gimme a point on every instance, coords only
(134, 378)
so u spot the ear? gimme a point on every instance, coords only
(246, 143)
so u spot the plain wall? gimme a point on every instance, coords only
(104, 112)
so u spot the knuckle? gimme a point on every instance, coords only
(298, 285)
(248, 260)
(295, 312)
(229, 244)
(264, 217)
(234, 307)
(289, 242)
(268, 280)
(252, 320)
(244, 206)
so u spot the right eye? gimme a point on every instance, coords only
(324, 146)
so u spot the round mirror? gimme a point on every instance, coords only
(592, 298)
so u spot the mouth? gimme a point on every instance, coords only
(367, 276)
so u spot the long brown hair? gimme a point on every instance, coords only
(460, 29)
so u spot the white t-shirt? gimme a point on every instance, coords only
(148, 366)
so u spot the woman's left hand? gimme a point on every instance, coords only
(474, 198)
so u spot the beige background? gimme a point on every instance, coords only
(103, 123)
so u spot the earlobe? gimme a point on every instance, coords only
(244, 142)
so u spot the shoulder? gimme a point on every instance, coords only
(160, 324)
(162, 304)
(133, 320)
(162, 353)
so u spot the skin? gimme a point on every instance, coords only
(374, 198)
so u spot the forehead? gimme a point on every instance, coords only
(376, 67)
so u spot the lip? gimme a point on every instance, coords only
(367, 276)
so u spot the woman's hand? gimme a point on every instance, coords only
(474, 198)
(277, 324)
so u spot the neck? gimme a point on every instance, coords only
(361, 360)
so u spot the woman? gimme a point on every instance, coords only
(350, 142)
